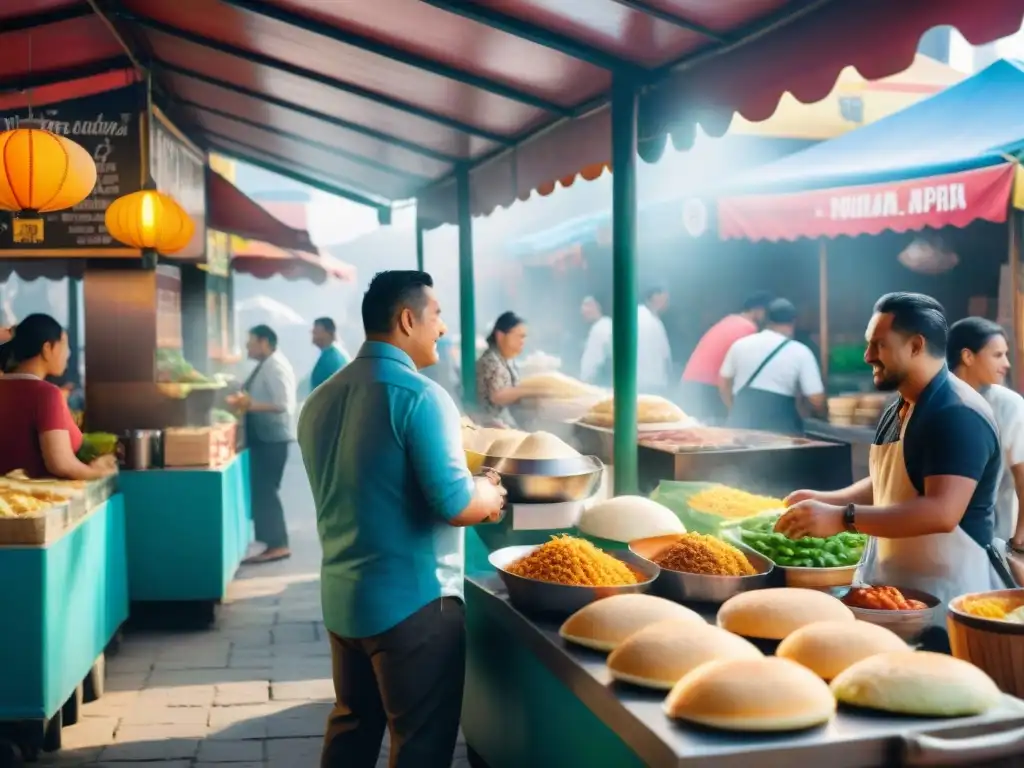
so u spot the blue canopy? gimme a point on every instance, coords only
(974, 124)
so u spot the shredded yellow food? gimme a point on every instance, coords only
(732, 502)
(576, 562)
(15, 503)
(706, 555)
(989, 607)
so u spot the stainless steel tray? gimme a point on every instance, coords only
(853, 739)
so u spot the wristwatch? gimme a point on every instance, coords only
(1015, 548)
(850, 518)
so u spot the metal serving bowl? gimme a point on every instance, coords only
(547, 481)
(909, 625)
(562, 600)
(695, 587)
(806, 577)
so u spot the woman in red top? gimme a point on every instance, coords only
(39, 435)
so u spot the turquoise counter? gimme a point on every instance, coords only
(188, 530)
(62, 604)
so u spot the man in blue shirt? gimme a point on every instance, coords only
(929, 503)
(383, 452)
(332, 359)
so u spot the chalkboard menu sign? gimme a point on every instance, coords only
(107, 126)
(180, 172)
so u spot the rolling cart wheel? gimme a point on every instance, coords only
(10, 755)
(72, 708)
(51, 732)
(95, 682)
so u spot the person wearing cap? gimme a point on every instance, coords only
(700, 377)
(765, 376)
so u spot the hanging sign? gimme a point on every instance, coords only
(949, 200)
(180, 171)
(107, 126)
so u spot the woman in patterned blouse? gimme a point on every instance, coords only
(497, 377)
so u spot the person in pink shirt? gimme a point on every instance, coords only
(700, 378)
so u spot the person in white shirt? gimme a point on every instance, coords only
(765, 375)
(595, 366)
(977, 352)
(654, 354)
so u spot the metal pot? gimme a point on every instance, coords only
(140, 449)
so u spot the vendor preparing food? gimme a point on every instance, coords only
(497, 377)
(929, 503)
(764, 376)
(40, 435)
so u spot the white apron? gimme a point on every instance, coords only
(942, 564)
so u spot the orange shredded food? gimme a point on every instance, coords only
(576, 562)
(705, 555)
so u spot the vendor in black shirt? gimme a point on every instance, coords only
(929, 503)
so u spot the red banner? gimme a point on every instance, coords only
(950, 200)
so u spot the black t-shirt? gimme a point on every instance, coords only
(951, 432)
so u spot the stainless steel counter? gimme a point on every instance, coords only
(851, 740)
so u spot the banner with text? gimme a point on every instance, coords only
(107, 126)
(950, 200)
(180, 172)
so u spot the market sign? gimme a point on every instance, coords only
(179, 170)
(949, 200)
(107, 125)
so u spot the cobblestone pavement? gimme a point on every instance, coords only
(252, 692)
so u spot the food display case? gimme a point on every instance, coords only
(532, 699)
(67, 559)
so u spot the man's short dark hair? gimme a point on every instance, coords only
(389, 293)
(327, 324)
(264, 333)
(759, 300)
(916, 313)
(781, 312)
(654, 290)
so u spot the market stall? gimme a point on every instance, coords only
(682, 630)
(536, 699)
(929, 195)
(63, 545)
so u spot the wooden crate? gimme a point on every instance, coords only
(42, 528)
(199, 446)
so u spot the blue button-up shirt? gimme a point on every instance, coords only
(383, 452)
(331, 361)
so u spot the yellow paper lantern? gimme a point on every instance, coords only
(149, 219)
(41, 171)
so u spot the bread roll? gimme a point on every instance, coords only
(544, 446)
(660, 654)
(650, 409)
(917, 683)
(503, 447)
(828, 647)
(627, 518)
(768, 694)
(772, 614)
(605, 623)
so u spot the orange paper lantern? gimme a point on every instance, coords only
(150, 220)
(41, 171)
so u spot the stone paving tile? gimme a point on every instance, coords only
(291, 753)
(230, 751)
(252, 692)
